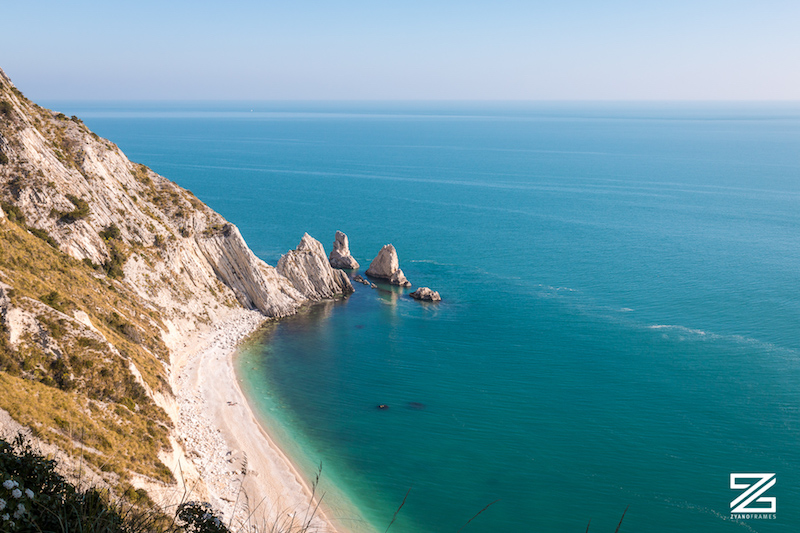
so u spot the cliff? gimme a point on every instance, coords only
(105, 268)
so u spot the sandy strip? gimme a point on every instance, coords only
(246, 474)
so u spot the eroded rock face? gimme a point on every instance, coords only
(340, 255)
(182, 257)
(387, 266)
(427, 294)
(309, 271)
(255, 283)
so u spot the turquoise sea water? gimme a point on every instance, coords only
(621, 314)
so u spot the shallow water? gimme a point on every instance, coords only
(620, 324)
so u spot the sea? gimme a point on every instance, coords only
(619, 330)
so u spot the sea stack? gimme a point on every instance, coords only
(340, 255)
(387, 266)
(308, 269)
(427, 294)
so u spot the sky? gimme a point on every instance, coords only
(403, 50)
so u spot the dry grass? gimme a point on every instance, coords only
(108, 436)
(78, 379)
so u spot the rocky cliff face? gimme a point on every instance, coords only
(73, 185)
(105, 267)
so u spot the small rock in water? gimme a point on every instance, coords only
(383, 406)
(425, 293)
(373, 286)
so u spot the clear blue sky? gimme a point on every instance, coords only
(409, 49)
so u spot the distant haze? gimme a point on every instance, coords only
(376, 50)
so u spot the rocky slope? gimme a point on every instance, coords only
(105, 269)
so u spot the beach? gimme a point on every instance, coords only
(245, 475)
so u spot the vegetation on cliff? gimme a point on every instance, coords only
(81, 354)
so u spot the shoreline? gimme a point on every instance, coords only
(248, 478)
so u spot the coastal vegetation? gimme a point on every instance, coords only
(85, 397)
(37, 495)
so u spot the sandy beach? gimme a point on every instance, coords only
(246, 475)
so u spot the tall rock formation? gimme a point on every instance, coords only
(387, 266)
(340, 255)
(256, 284)
(309, 271)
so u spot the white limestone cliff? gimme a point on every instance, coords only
(179, 254)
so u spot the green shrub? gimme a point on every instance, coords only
(53, 299)
(91, 264)
(51, 503)
(113, 265)
(3, 158)
(13, 213)
(42, 234)
(5, 108)
(120, 325)
(111, 232)
(199, 517)
(80, 212)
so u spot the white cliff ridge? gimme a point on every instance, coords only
(174, 244)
